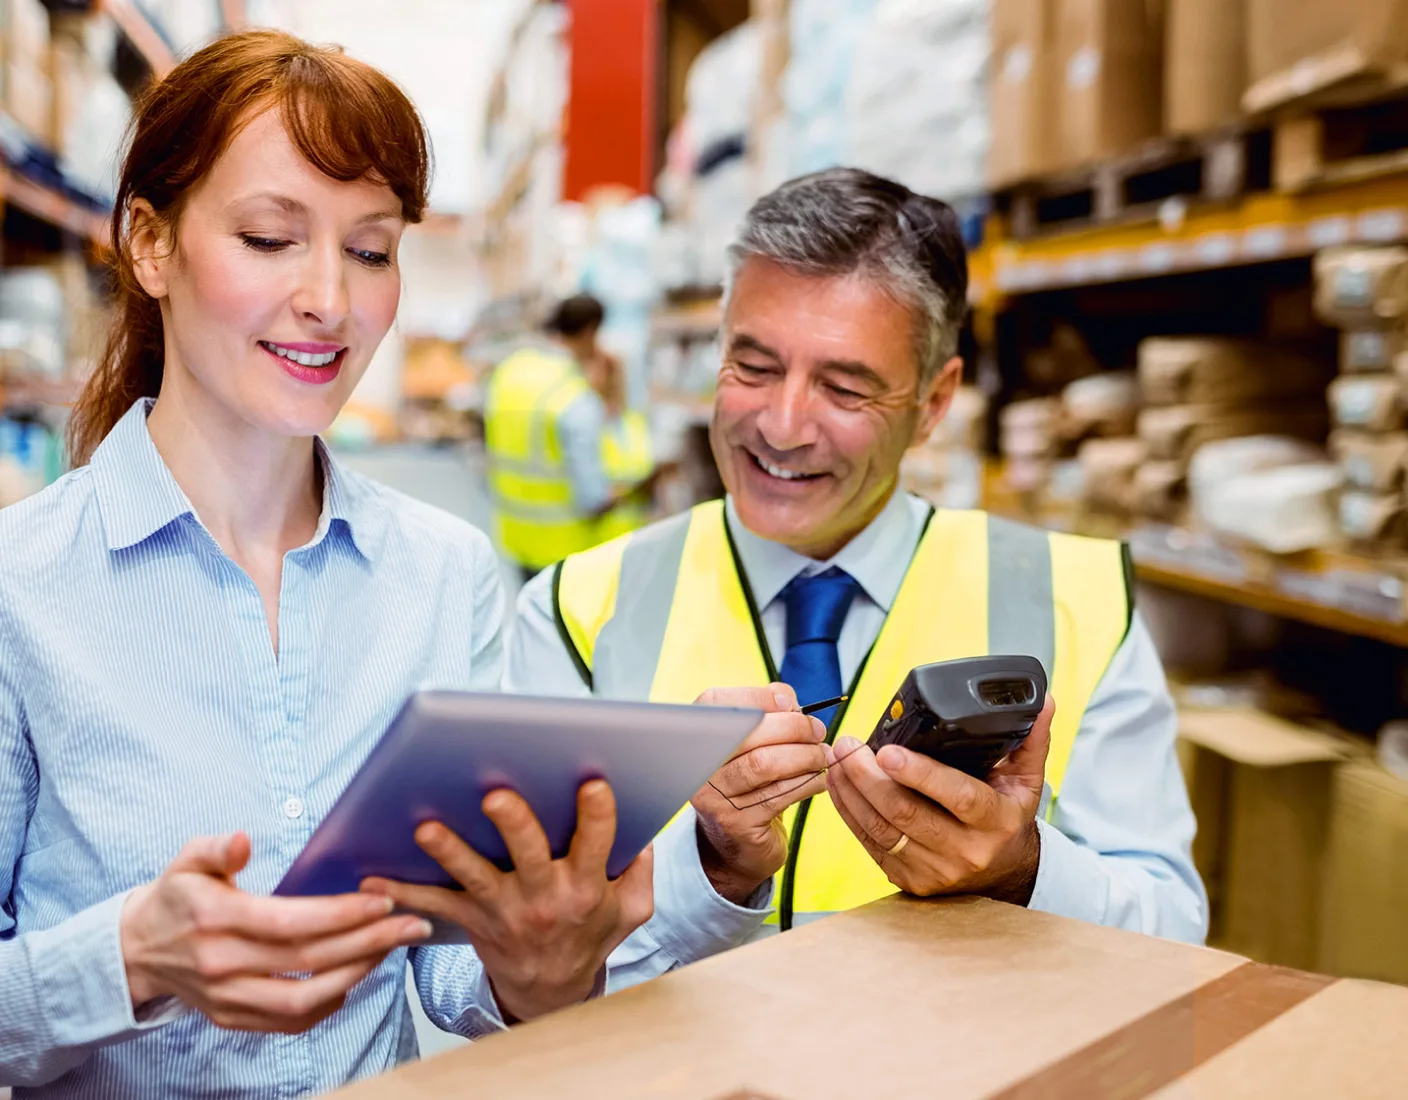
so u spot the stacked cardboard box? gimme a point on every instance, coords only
(1074, 81)
(1364, 291)
(1198, 390)
(1205, 64)
(1295, 49)
(1301, 843)
(26, 90)
(948, 467)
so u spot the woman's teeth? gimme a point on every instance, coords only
(303, 358)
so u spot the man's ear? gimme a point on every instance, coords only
(150, 241)
(936, 399)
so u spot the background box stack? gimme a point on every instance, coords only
(1364, 292)
(1025, 141)
(1199, 390)
(1109, 57)
(89, 104)
(1205, 64)
(24, 61)
(948, 467)
(1295, 49)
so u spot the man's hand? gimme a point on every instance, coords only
(194, 935)
(543, 930)
(980, 838)
(781, 763)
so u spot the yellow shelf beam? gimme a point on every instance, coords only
(1260, 228)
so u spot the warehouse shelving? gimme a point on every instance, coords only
(144, 35)
(1260, 228)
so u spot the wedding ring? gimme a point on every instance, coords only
(899, 844)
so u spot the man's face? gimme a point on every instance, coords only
(818, 399)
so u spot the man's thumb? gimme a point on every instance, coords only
(223, 856)
(1030, 757)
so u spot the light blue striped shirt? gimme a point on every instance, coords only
(141, 704)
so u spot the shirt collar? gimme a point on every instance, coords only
(877, 557)
(138, 496)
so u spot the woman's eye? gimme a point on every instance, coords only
(263, 244)
(370, 258)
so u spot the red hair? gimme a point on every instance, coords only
(348, 119)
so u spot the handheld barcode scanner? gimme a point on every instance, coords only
(968, 713)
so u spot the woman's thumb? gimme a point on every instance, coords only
(213, 855)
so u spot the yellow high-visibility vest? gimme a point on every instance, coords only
(534, 517)
(628, 459)
(664, 614)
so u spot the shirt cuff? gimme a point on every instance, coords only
(79, 966)
(692, 920)
(485, 1017)
(1069, 879)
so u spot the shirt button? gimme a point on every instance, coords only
(293, 808)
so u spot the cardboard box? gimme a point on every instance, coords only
(1205, 64)
(1269, 834)
(1219, 371)
(959, 998)
(28, 96)
(1160, 491)
(71, 71)
(1372, 517)
(1110, 58)
(1023, 91)
(1108, 466)
(1369, 402)
(24, 32)
(1175, 432)
(1365, 933)
(1296, 48)
(1371, 349)
(1362, 287)
(1372, 463)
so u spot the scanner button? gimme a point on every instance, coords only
(293, 808)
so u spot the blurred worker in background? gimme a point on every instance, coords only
(843, 310)
(545, 427)
(627, 455)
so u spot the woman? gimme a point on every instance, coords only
(204, 630)
(627, 457)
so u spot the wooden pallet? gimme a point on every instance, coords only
(1214, 168)
(1319, 145)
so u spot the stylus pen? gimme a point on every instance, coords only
(812, 708)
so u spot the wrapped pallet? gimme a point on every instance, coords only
(1225, 372)
(916, 104)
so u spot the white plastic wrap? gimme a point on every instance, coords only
(822, 40)
(1275, 492)
(917, 98)
(718, 90)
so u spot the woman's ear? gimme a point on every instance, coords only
(150, 241)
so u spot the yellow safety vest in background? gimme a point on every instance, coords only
(628, 459)
(663, 614)
(534, 518)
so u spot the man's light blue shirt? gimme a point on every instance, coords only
(142, 705)
(1118, 850)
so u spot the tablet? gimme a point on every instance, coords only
(446, 750)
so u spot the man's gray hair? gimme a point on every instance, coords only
(845, 221)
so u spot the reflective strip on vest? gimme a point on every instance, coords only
(628, 459)
(534, 518)
(662, 615)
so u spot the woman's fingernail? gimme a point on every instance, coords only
(422, 929)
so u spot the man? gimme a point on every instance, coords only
(840, 329)
(544, 428)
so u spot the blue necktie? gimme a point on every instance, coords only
(816, 608)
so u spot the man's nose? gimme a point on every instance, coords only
(788, 420)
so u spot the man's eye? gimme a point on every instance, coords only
(752, 369)
(263, 244)
(843, 394)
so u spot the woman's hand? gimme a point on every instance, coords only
(194, 935)
(545, 929)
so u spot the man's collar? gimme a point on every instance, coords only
(877, 557)
(138, 496)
